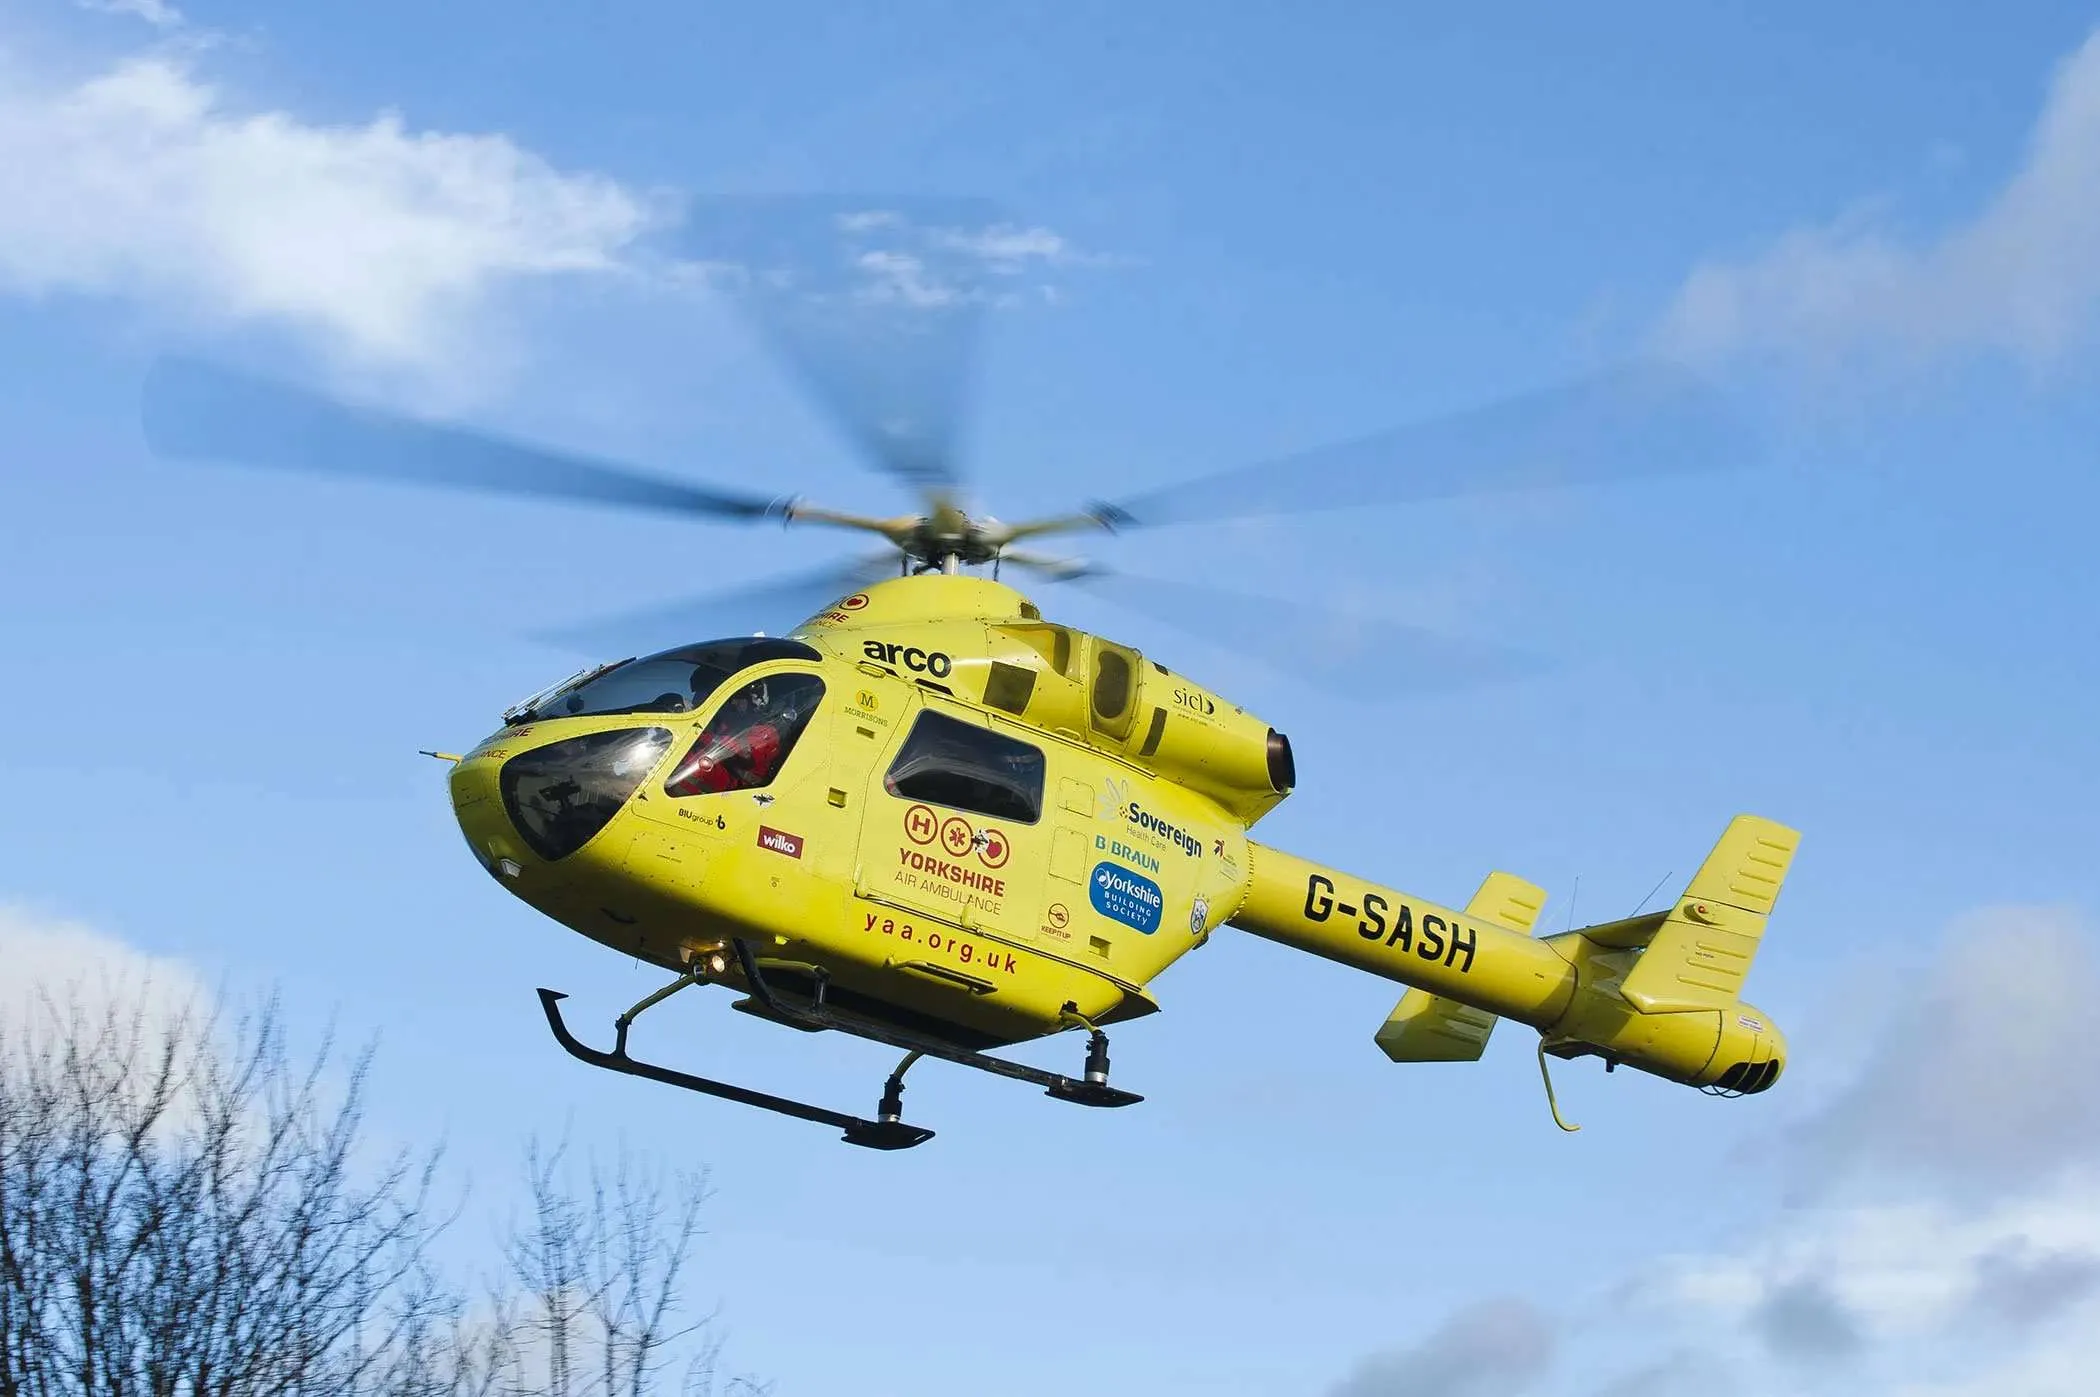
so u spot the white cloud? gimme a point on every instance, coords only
(1496, 1348)
(1951, 1241)
(1981, 1077)
(1901, 1269)
(2022, 277)
(1945, 1238)
(158, 13)
(385, 245)
(52, 964)
(146, 182)
(1951, 1244)
(1010, 248)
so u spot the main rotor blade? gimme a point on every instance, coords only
(773, 606)
(1637, 420)
(875, 304)
(1369, 658)
(199, 411)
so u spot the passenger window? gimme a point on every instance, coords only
(949, 762)
(1115, 686)
(744, 745)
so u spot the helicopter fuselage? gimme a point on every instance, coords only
(931, 810)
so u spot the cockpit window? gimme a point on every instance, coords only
(744, 746)
(676, 681)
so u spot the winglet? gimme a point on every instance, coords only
(1424, 1027)
(1700, 955)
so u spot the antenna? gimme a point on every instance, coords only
(1572, 894)
(1651, 893)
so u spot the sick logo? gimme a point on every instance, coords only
(956, 836)
(921, 825)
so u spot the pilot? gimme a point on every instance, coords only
(747, 744)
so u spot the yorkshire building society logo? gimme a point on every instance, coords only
(1126, 897)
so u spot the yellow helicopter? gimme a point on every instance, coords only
(929, 816)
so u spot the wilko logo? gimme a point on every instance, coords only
(854, 602)
(921, 825)
(780, 841)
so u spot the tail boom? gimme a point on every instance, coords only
(1583, 990)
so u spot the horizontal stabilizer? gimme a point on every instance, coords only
(1700, 955)
(1425, 1027)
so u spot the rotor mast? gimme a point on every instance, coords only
(947, 538)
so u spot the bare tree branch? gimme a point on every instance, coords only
(185, 1212)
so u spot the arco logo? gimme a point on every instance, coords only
(919, 661)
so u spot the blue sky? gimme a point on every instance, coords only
(1266, 227)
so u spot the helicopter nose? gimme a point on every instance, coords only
(477, 804)
(552, 799)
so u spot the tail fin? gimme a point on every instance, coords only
(1425, 1027)
(1702, 951)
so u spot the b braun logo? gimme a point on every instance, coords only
(919, 661)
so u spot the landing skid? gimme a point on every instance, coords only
(888, 1131)
(876, 1135)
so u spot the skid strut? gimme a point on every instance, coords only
(1092, 1090)
(888, 1131)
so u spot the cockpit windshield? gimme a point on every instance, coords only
(675, 681)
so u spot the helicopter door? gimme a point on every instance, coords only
(955, 819)
(749, 777)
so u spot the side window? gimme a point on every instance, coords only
(1115, 688)
(744, 745)
(949, 762)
